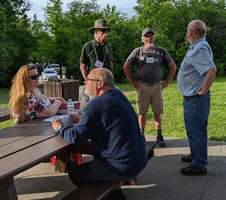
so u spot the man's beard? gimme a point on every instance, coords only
(92, 93)
(150, 45)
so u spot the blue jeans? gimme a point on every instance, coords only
(196, 113)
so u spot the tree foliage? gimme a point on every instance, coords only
(171, 18)
(15, 38)
(60, 38)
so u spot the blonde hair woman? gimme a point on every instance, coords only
(27, 101)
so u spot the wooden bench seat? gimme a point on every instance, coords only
(100, 190)
(4, 114)
(92, 192)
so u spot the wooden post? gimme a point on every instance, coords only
(66, 88)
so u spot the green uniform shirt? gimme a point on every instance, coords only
(88, 56)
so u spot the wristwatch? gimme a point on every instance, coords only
(59, 127)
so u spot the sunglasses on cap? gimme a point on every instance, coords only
(34, 77)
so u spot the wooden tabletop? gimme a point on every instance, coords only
(25, 145)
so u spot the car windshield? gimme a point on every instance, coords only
(50, 72)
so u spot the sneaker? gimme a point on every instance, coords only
(186, 158)
(191, 170)
(116, 195)
(160, 141)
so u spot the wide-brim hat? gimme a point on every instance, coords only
(147, 30)
(100, 23)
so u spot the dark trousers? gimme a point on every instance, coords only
(91, 172)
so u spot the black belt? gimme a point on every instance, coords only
(191, 97)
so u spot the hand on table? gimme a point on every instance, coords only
(57, 122)
(53, 99)
(76, 118)
(62, 100)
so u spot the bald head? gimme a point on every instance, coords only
(199, 27)
(103, 74)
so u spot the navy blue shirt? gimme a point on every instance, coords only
(112, 125)
(192, 72)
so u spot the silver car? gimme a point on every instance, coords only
(49, 73)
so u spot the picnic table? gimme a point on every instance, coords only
(28, 144)
(24, 146)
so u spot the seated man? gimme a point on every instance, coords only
(111, 123)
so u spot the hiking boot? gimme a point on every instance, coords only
(160, 141)
(116, 195)
(186, 158)
(191, 170)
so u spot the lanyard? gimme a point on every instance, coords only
(96, 52)
(150, 53)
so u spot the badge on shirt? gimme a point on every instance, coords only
(99, 64)
(150, 60)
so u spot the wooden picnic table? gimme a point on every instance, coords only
(28, 144)
(24, 146)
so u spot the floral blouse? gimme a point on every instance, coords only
(34, 105)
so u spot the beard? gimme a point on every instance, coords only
(92, 93)
(149, 45)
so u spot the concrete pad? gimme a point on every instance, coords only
(161, 179)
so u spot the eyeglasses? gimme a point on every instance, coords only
(34, 77)
(90, 79)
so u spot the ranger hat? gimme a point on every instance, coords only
(100, 23)
(147, 30)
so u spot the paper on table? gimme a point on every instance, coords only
(50, 119)
(66, 119)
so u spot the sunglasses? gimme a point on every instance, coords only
(103, 30)
(34, 77)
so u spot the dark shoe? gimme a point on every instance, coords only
(143, 136)
(191, 170)
(116, 195)
(160, 141)
(187, 158)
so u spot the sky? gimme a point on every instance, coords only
(121, 5)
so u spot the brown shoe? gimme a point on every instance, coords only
(187, 158)
(130, 182)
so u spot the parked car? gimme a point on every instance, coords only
(40, 68)
(56, 67)
(49, 73)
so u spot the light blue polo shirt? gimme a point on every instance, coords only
(192, 73)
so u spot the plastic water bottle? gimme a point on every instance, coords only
(70, 106)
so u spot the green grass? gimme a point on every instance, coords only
(4, 97)
(173, 121)
(4, 100)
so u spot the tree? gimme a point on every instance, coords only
(16, 38)
(170, 19)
